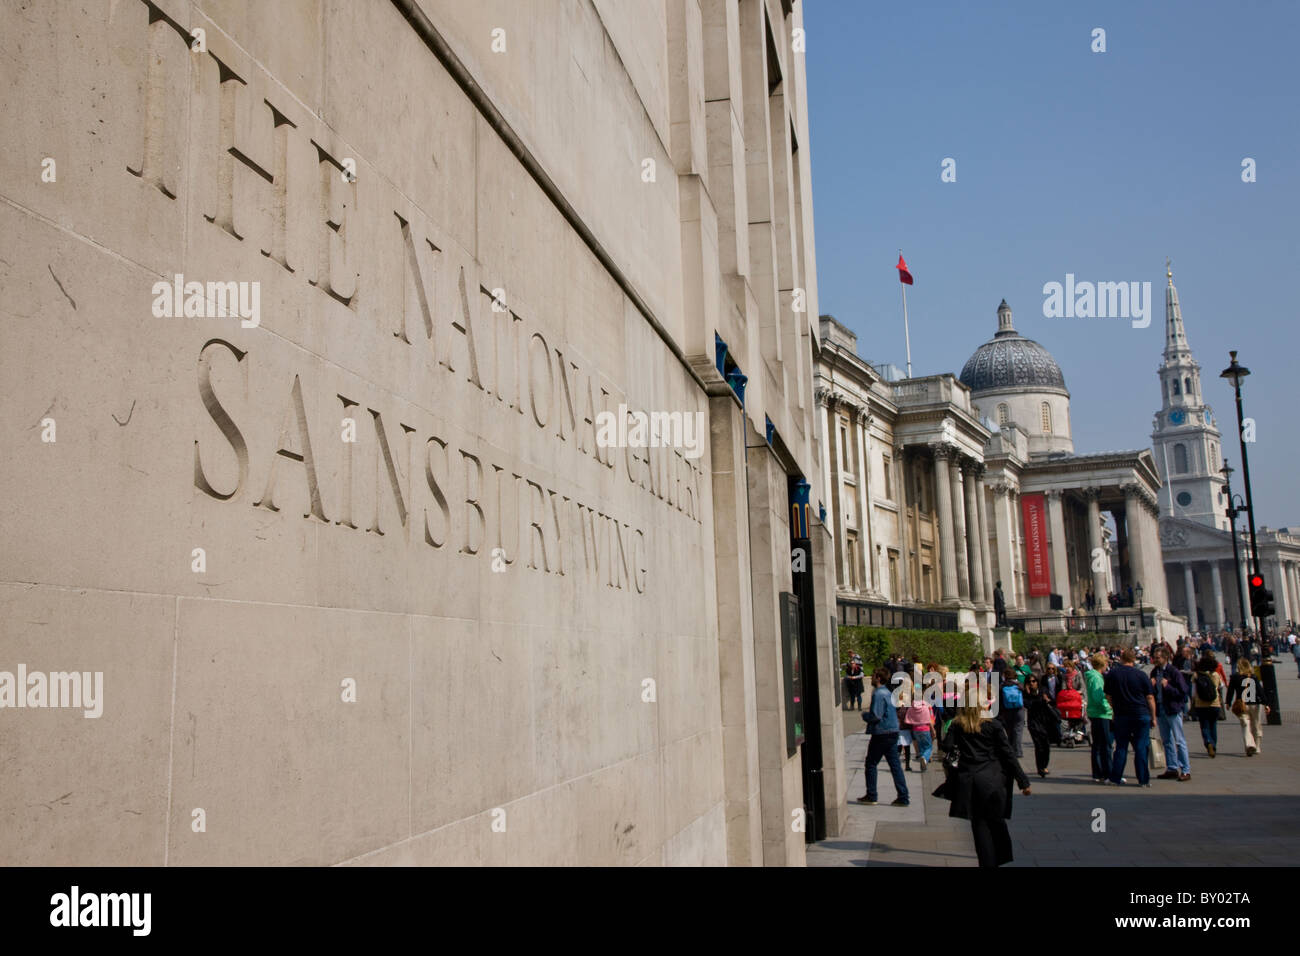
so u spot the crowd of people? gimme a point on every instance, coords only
(1111, 699)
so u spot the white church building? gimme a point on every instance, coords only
(1195, 532)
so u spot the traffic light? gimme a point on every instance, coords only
(1261, 598)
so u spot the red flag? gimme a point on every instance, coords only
(903, 275)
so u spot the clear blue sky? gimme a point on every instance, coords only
(1070, 161)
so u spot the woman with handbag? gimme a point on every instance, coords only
(1207, 699)
(1244, 699)
(979, 768)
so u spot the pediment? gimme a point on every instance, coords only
(1177, 534)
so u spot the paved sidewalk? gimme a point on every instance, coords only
(1235, 811)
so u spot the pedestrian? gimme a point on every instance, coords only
(855, 681)
(1245, 691)
(948, 708)
(1207, 698)
(979, 785)
(1295, 652)
(919, 719)
(1171, 697)
(1099, 716)
(882, 724)
(1052, 682)
(1132, 698)
(1023, 669)
(1012, 714)
(1044, 722)
(999, 661)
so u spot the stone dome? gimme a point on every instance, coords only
(1009, 360)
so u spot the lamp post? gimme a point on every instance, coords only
(1235, 373)
(1233, 511)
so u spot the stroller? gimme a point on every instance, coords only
(1074, 728)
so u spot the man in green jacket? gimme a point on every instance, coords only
(1099, 714)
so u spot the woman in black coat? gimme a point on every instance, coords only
(980, 785)
(1044, 722)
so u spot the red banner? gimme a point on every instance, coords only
(1034, 511)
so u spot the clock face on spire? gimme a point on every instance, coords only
(1177, 416)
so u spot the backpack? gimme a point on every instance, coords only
(1205, 692)
(1012, 698)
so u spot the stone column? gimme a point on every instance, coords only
(1295, 585)
(1002, 520)
(905, 587)
(1123, 556)
(1277, 584)
(947, 548)
(1157, 592)
(736, 673)
(1099, 591)
(1134, 514)
(982, 510)
(1216, 583)
(1189, 587)
(959, 529)
(974, 555)
(861, 421)
(822, 395)
(1060, 562)
(843, 577)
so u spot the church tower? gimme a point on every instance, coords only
(1185, 440)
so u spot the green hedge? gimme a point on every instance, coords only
(876, 644)
(1022, 642)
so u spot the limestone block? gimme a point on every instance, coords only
(264, 742)
(78, 790)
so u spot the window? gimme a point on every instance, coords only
(1187, 385)
(888, 485)
(1047, 418)
(1175, 384)
(844, 447)
(1180, 459)
(894, 594)
(1004, 414)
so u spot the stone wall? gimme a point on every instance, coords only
(361, 581)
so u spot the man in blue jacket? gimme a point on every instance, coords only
(1171, 692)
(882, 725)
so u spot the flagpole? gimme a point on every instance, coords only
(907, 335)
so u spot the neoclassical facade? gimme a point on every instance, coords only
(1195, 531)
(938, 488)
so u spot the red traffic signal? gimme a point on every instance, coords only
(1256, 580)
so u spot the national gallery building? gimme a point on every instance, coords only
(937, 488)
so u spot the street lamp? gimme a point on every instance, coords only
(1235, 373)
(1232, 511)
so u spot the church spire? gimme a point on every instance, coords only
(1175, 335)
